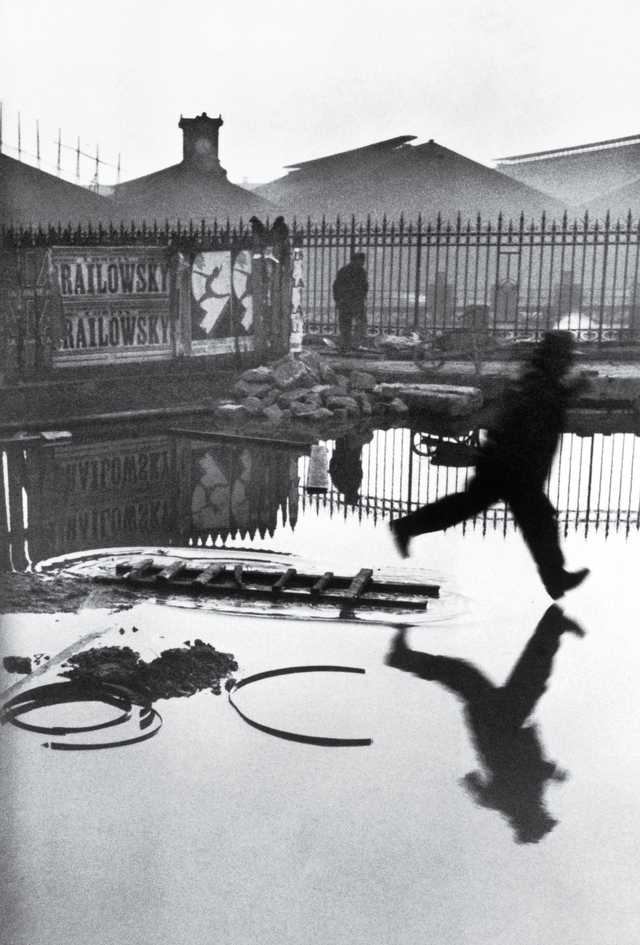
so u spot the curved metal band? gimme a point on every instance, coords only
(295, 736)
(61, 693)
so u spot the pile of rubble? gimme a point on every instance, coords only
(305, 388)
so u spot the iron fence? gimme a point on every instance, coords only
(505, 280)
(497, 281)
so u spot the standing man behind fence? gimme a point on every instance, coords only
(349, 293)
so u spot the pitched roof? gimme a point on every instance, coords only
(394, 177)
(182, 192)
(354, 154)
(31, 196)
(580, 173)
(316, 186)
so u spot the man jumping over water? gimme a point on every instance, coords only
(513, 465)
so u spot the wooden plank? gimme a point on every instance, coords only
(241, 438)
(401, 587)
(359, 583)
(168, 573)
(321, 583)
(207, 575)
(283, 580)
(20, 441)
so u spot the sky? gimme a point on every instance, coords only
(296, 80)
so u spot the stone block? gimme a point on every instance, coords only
(254, 406)
(300, 409)
(289, 373)
(273, 413)
(258, 375)
(320, 414)
(242, 389)
(230, 412)
(334, 390)
(445, 399)
(349, 404)
(270, 397)
(288, 397)
(363, 401)
(361, 380)
(327, 374)
(398, 407)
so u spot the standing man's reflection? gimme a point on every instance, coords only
(515, 771)
(345, 466)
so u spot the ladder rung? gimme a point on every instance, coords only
(168, 573)
(140, 569)
(322, 582)
(283, 580)
(210, 573)
(360, 582)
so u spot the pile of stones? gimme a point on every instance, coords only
(307, 389)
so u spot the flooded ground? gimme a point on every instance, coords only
(446, 828)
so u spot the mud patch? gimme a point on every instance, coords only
(177, 672)
(46, 594)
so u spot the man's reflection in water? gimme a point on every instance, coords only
(345, 466)
(515, 770)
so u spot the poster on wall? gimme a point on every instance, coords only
(297, 313)
(221, 302)
(115, 304)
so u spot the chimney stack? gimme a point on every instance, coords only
(200, 143)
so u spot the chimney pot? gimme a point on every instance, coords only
(200, 143)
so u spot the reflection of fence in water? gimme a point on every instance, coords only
(594, 483)
(156, 489)
(14, 511)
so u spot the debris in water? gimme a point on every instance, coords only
(181, 671)
(17, 664)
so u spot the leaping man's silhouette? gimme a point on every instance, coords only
(513, 465)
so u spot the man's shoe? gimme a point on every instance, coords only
(574, 578)
(566, 581)
(400, 540)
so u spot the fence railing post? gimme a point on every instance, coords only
(603, 277)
